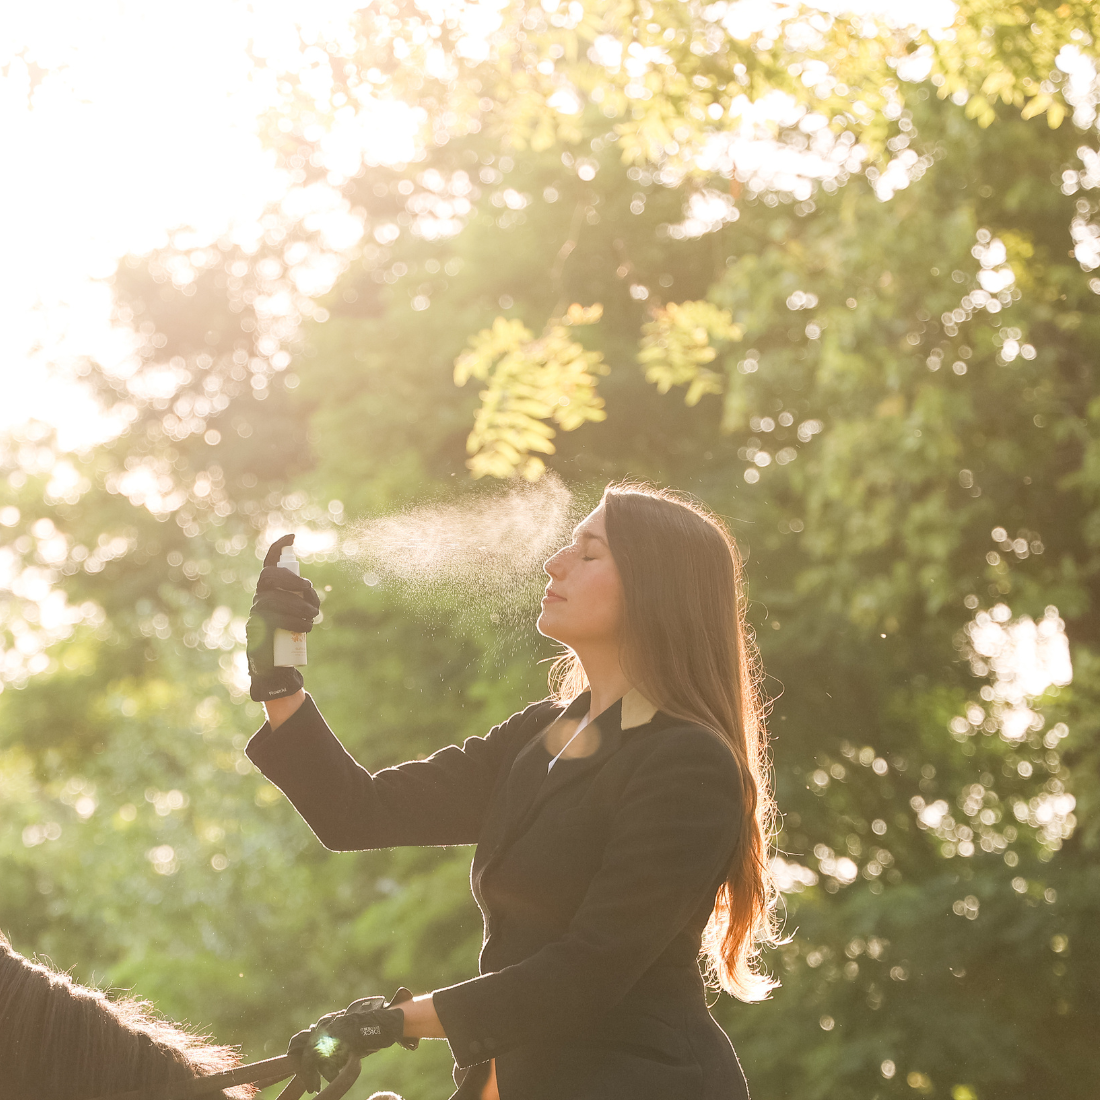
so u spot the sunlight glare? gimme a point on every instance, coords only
(125, 120)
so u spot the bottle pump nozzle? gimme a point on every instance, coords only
(289, 560)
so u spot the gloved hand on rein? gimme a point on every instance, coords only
(365, 1026)
(284, 601)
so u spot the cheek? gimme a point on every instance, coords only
(600, 603)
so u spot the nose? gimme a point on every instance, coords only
(553, 565)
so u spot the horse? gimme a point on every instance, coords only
(60, 1040)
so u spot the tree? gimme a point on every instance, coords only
(940, 881)
(678, 89)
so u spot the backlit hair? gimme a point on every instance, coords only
(688, 649)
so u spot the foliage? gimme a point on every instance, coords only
(668, 74)
(1011, 52)
(529, 382)
(683, 91)
(903, 439)
(676, 345)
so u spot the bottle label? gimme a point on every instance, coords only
(289, 649)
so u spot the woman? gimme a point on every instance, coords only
(62, 1041)
(620, 825)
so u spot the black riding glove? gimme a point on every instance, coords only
(363, 1027)
(282, 601)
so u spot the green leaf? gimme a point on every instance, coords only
(678, 342)
(532, 383)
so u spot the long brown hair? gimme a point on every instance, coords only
(688, 648)
(63, 1041)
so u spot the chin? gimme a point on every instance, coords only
(544, 627)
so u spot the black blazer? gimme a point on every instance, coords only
(595, 882)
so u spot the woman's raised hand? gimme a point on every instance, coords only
(283, 601)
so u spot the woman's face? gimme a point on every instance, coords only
(583, 605)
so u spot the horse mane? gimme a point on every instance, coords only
(60, 1040)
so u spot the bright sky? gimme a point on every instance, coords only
(146, 120)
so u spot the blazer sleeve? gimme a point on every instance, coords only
(440, 800)
(672, 836)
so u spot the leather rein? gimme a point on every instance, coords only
(262, 1074)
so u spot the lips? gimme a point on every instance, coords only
(552, 596)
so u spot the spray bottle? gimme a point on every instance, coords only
(289, 647)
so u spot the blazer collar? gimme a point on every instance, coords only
(599, 740)
(629, 712)
(528, 784)
(637, 710)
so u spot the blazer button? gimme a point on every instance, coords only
(490, 1045)
(475, 1047)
